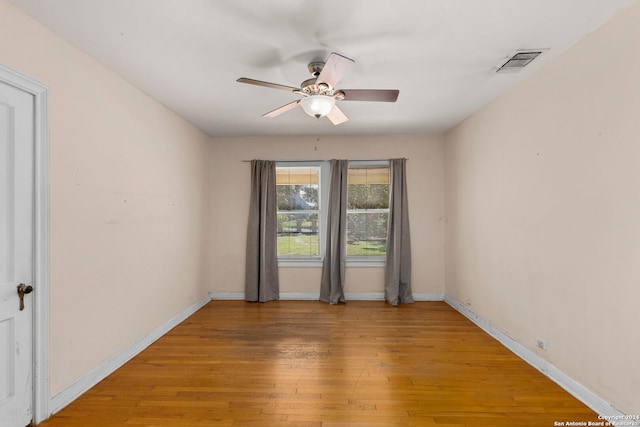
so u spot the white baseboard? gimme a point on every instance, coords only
(291, 296)
(573, 387)
(437, 296)
(300, 296)
(227, 296)
(313, 296)
(93, 377)
(364, 296)
(379, 296)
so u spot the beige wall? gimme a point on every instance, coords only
(129, 191)
(231, 187)
(543, 210)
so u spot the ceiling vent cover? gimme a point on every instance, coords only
(519, 60)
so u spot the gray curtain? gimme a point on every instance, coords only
(332, 283)
(397, 286)
(261, 278)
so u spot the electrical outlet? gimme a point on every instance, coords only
(541, 343)
(191, 296)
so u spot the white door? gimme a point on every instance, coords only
(16, 255)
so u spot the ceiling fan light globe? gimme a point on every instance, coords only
(317, 105)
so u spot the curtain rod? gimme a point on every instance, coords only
(325, 160)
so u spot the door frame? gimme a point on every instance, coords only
(40, 362)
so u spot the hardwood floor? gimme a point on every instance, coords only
(306, 363)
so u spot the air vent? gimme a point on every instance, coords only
(518, 61)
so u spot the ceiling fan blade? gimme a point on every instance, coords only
(283, 109)
(336, 116)
(334, 69)
(378, 95)
(266, 84)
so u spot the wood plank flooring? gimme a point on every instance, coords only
(309, 364)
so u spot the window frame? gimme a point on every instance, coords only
(368, 260)
(323, 197)
(323, 182)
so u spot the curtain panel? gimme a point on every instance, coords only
(261, 278)
(397, 287)
(333, 266)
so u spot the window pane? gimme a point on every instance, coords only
(368, 188)
(298, 234)
(297, 190)
(367, 233)
(297, 197)
(367, 210)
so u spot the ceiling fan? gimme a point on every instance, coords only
(319, 94)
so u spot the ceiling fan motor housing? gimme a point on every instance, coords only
(315, 68)
(310, 87)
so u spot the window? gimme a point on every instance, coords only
(300, 220)
(367, 210)
(301, 189)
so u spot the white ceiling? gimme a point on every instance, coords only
(440, 54)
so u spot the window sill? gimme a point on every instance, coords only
(358, 262)
(292, 262)
(351, 262)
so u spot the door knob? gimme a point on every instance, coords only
(22, 291)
